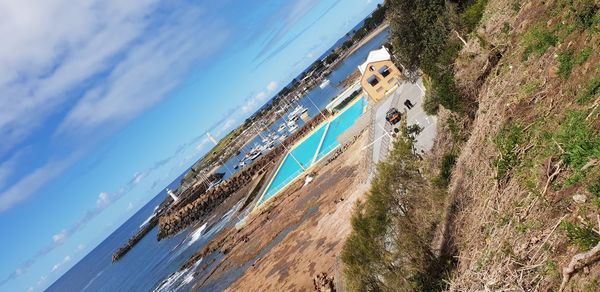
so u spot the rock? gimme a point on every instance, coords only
(323, 283)
(579, 198)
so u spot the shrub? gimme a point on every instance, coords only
(585, 13)
(508, 140)
(579, 143)
(472, 15)
(516, 6)
(582, 235)
(389, 246)
(590, 91)
(594, 189)
(431, 104)
(414, 130)
(538, 40)
(565, 63)
(583, 56)
(578, 139)
(448, 162)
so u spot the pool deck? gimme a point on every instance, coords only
(314, 162)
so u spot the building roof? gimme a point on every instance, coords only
(374, 56)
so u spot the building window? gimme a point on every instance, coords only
(384, 71)
(373, 80)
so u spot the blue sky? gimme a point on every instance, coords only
(104, 103)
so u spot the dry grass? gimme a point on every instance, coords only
(507, 229)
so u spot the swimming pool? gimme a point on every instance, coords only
(316, 146)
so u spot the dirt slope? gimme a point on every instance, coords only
(525, 210)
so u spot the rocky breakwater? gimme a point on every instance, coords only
(186, 197)
(119, 253)
(177, 219)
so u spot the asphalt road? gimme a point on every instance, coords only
(415, 115)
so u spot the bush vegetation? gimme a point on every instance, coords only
(443, 179)
(591, 90)
(537, 41)
(579, 143)
(508, 140)
(389, 247)
(472, 15)
(421, 39)
(582, 235)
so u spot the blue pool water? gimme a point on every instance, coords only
(308, 151)
(338, 126)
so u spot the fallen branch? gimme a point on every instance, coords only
(547, 237)
(593, 108)
(590, 163)
(579, 261)
(557, 170)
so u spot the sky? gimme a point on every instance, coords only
(104, 102)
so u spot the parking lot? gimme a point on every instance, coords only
(381, 129)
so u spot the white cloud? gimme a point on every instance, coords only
(44, 58)
(261, 96)
(80, 247)
(139, 81)
(55, 268)
(31, 183)
(58, 265)
(253, 103)
(49, 64)
(271, 86)
(59, 237)
(7, 168)
(103, 200)
(129, 207)
(137, 178)
(227, 125)
(42, 280)
(202, 144)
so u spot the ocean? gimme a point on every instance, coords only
(152, 265)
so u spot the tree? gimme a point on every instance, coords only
(389, 247)
(419, 30)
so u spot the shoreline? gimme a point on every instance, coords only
(274, 226)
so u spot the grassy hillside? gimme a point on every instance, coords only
(517, 151)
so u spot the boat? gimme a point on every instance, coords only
(281, 128)
(256, 148)
(282, 137)
(268, 146)
(214, 184)
(324, 83)
(241, 164)
(291, 123)
(255, 155)
(293, 128)
(296, 112)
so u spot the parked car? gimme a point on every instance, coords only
(393, 116)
